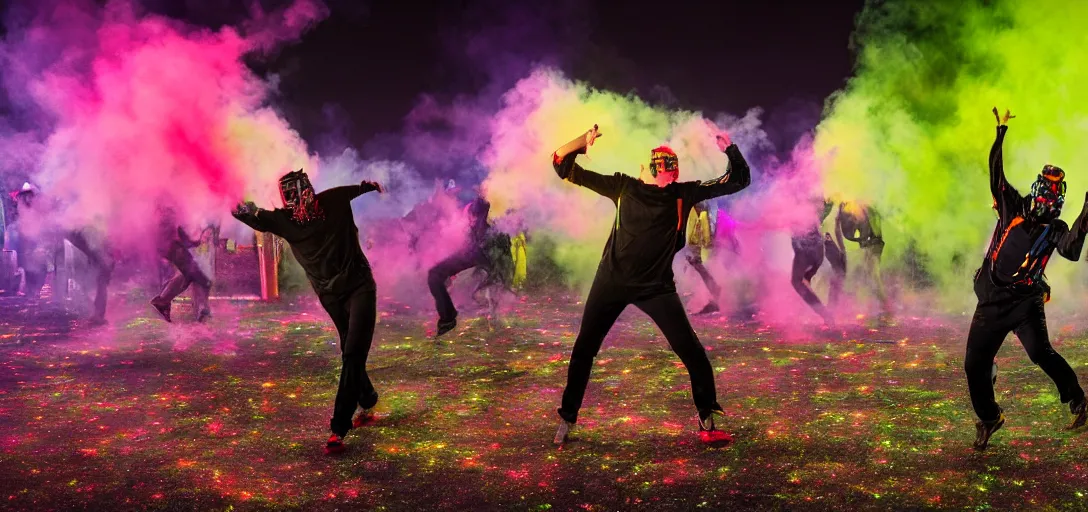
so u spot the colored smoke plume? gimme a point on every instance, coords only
(912, 130)
(135, 110)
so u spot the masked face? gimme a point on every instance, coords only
(664, 166)
(298, 195)
(1048, 193)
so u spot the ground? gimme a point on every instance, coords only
(141, 415)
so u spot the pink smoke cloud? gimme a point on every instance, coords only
(141, 110)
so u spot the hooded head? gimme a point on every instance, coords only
(1047, 194)
(298, 196)
(664, 167)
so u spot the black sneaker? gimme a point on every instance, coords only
(444, 327)
(1079, 408)
(985, 429)
(204, 316)
(163, 310)
(96, 321)
(709, 309)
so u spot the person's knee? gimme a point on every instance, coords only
(435, 276)
(1039, 353)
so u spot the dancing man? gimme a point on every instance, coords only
(861, 224)
(809, 251)
(321, 232)
(473, 254)
(702, 239)
(173, 246)
(636, 267)
(1012, 290)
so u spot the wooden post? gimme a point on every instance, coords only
(269, 259)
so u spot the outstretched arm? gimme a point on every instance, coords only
(567, 169)
(1070, 245)
(1005, 195)
(252, 216)
(347, 193)
(736, 178)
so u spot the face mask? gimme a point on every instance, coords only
(298, 196)
(1048, 193)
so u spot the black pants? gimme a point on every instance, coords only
(189, 274)
(354, 315)
(993, 320)
(445, 269)
(807, 259)
(873, 251)
(103, 265)
(605, 303)
(695, 258)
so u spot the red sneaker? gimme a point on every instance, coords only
(363, 418)
(335, 445)
(709, 433)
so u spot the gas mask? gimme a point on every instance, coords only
(298, 196)
(663, 160)
(1048, 193)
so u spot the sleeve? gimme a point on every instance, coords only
(344, 194)
(735, 179)
(258, 219)
(607, 186)
(1005, 196)
(1071, 243)
(183, 237)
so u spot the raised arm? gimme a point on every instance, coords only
(256, 218)
(567, 169)
(737, 176)
(1071, 243)
(1005, 195)
(347, 193)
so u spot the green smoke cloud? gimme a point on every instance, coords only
(912, 130)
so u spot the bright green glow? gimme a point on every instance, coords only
(912, 130)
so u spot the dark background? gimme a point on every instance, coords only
(361, 70)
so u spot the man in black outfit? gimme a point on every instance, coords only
(473, 254)
(1012, 290)
(809, 251)
(861, 224)
(636, 267)
(173, 245)
(321, 231)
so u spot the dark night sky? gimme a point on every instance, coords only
(361, 70)
(375, 62)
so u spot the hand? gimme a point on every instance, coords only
(723, 141)
(592, 135)
(245, 208)
(377, 186)
(1003, 121)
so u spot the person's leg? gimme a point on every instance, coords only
(837, 258)
(668, 313)
(603, 307)
(1033, 336)
(695, 258)
(436, 281)
(103, 265)
(805, 265)
(359, 313)
(987, 332)
(873, 255)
